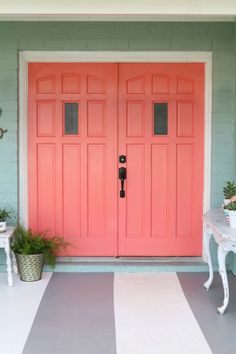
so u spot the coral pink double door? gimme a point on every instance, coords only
(81, 118)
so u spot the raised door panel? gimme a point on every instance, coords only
(185, 118)
(135, 205)
(96, 191)
(46, 188)
(185, 195)
(46, 118)
(160, 190)
(71, 184)
(46, 84)
(71, 83)
(96, 118)
(135, 118)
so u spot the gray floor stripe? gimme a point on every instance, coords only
(76, 316)
(219, 330)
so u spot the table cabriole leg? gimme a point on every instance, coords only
(9, 263)
(207, 238)
(222, 253)
(13, 257)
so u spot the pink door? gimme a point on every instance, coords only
(161, 133)
(73, 154)
(74, 189)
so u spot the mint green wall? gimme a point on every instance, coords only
(129, 36)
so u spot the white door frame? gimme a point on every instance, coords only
(26, 57)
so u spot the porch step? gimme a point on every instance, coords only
(130, 264)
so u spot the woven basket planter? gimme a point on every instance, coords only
(30, 266)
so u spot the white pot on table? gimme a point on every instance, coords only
(3, 226)
(232, 218)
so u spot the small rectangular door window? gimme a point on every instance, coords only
(161, 118)
(71, 118)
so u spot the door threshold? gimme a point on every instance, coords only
(130, 259)
(129, 264)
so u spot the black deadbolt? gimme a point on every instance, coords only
(122, 159)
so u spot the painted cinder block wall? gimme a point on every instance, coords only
(127, 36)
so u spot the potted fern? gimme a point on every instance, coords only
(231, 207)
(4, 215)
(229, 191)
(32, 249)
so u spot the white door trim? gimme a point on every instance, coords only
(101, 56)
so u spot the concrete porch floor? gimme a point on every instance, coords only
(117, 313)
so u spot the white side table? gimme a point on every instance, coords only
(5, 238)
(217, 226)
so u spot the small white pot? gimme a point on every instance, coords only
(227, 201)
(3, 226)
(232, 218)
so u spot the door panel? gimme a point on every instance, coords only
(161, 132)
(160, 182)
(135, 203)
(73, 154)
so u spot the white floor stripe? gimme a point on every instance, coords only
(152, 316)
(18, 307)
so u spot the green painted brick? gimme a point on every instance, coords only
(224, 85)
(16, 33)
(7, 53)
(149, 44)
(187, 44)
(8, 105)
(5, 94)
(219, 148)
(223, 60)
(223, 127)
(225, 43)
(55, 32)
(143, 30)
(160, 30)
(223, 74)
(6, 43)
(182, 31)
(107, 44)
(9, 63)
(88, 32)
(65, 44)
(10, 157)
(218, 118)
(226, 106)
(31, 44)
(221, 30)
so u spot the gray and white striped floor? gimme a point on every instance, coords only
(116, 313)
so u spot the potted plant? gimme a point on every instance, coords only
(4, 215)
(231, 207)
(229, 191)
(32, 249)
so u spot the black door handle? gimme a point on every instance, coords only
(122, 177)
